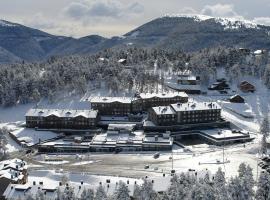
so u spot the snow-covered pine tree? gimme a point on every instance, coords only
(220, 188)
(122, 192)
(100, 193)
(202, 191)
(235, 189)
(136, 191)
(264, 130)
(147, 192)
(87, 194)
(263, 187)
(40, 195)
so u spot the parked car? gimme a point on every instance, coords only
(146, 167)
(265, 166)
(156, 155)
(265, 158)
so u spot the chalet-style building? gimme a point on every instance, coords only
(12, 172)
(246, 87)
(245, 51)
(236, 99)
(220, 84)
(163, 115)
(112, 105)
(186, 113)
(141, 102)
(61, 119)
(145, 101)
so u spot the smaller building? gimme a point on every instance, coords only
(61, 119)
(186, 113)
(162, 115)
(245, 51)
(236, 99)
(246, 87)
(125, 138)
(112, 105)
(12, 172)
(220, 84)
(144, 101)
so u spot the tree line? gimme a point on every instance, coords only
(29, 82)
(185, 186)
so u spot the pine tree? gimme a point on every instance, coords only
(100, 193)
(264, 128)
(263, 187)
(235, 189)
(87, 194)
(221, 191)
(122, 192)
(136, 192)
(147, 192)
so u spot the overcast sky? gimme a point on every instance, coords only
(79, 18)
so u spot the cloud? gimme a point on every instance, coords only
(262, 20)
(188, 10)
(39, 21)
(101, 9)
(219, 10)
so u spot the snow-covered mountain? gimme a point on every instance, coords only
(181, 32)
(194, 32)
(227, 22)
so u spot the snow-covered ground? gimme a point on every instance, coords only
(31, 136)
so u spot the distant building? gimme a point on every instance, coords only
(260, 52)
(12, 172)
(163, 115)
(122, 61)
(245, 51)
(246, 87)
(112, 105)
(61, 119)
(185, 82)
(124, 138)
(220, 84)
(141, 102)
(144, 101)
(187, 113)
(237, 99)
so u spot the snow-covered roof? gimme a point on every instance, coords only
(111, 99)
(236, 95)
(258, 52)
(164, 110)
(61, 113)
(163, 95)
(11, 169)
(195, 106)
(122, 60)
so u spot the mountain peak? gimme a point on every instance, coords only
(227, 22)
(6, 23)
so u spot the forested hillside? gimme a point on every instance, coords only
(145, 68)
(186, 33)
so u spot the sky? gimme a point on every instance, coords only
(78, 18)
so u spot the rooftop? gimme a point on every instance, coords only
(11, 169)
(163, 95)
(164, 110)
(61, 113)
(195, 106)
(111, 99)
